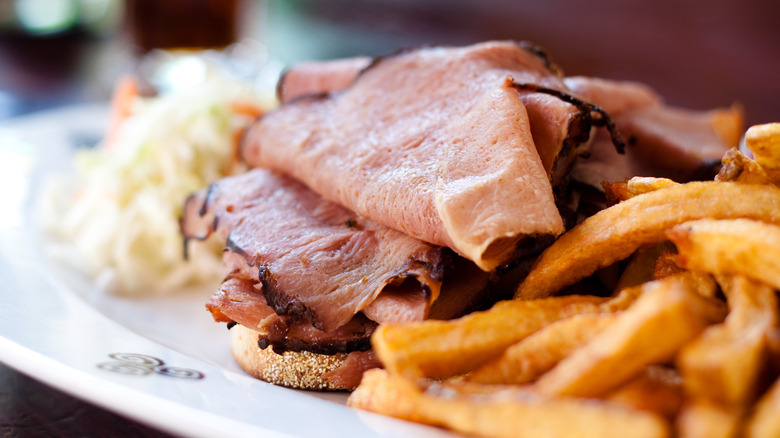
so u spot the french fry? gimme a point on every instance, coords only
(641, 266)
(387, 394)
(419, 349)
(446, 348)
(700, 282)
(624, 299)
(735, 247)
(764, 142)
(764, 422)
(666, 265)
(736, 167)
(726, 364)
(538, 353)
(658, 389)
(616, 232)
(619, 191)
(621, 351)
(506, 413)
(702, 418)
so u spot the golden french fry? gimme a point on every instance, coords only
(726, 363)
(621, 190)
(616, 232)
(387, 394)
(447, 348)
(666, 316)
(538, 353)
(702, 418)
(764, 142)
(731, 247)
(737, 167)
(641, 266)
(658, 389)
(666, 265)
(764, 422)
(506, 413)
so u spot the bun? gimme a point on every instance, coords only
(293, 369)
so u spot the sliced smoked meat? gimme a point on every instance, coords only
(350, 373)
(319, 77)
(614, 97)
(437, 143)
(313, 259)
(663, 141)
(239, 301)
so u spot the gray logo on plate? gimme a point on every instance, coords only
(143, 365)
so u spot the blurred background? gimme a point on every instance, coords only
(697, 54)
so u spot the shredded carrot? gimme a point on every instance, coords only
(125, 92)
(247, 108)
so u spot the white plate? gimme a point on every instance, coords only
(161, 361)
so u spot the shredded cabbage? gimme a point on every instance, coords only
(117, 220)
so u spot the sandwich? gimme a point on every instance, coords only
(308, 280)
(395, 189)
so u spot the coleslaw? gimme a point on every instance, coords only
(117, 218)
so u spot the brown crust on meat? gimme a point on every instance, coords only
(543, 56)
(300, 370)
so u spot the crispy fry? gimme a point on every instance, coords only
(737, 167)
(420, 349)
(702, 418)
(666, 265)
(386, 394)
(731, 247)
(658, 389)
(641, 266)
(506, 413)
(616, 232)
(727, 362)
(621, 351)
(622, 190)
(538, 353)
(447, 348)
(764, 142)
(764, 422)
(700, 282)
(624, 299)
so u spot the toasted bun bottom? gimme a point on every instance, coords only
(301, 370)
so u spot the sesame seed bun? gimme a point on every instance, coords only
(300, 370)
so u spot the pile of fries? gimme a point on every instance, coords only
(688, 345)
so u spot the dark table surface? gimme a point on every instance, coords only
(29, 408)
(699, 55)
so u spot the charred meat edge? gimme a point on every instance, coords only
(286, 306)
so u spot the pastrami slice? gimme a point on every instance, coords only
(310, 258)
(379, 147)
